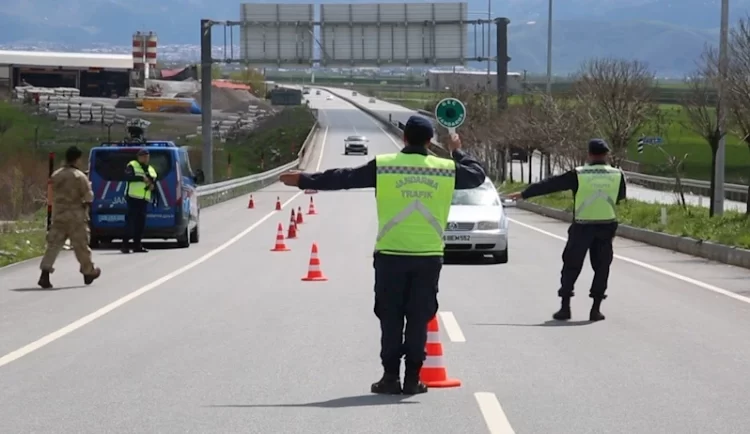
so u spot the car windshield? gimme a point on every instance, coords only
(356, 138)
(484, 195)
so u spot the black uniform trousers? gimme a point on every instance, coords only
(135, 222)
(406, 290)
(596, 239)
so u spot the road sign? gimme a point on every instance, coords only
(280, 35)
(388, 34)
(450, 113)
(651, 140)
(311, 191)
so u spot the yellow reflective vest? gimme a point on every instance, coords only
(137, 189)
(413, 195)
(596, 198)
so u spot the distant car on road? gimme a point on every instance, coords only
(372, 101)
(317, 92)
(329, 98)
(354, 93)
(477, 224)
(355, 144)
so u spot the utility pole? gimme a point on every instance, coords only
(718, 199)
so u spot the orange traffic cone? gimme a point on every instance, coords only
(292, 232)
(278, 204)
(311, 210)
(251, 203)
(280, 246)
(299, 216)
(314, 274)
(433, 372)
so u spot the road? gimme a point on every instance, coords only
(223, 337)
(521, 170)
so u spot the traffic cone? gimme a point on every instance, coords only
(434, 373)
(314, 274)
(280, 246)
(251, 203)
(278, 204)
(299, 216)
(311, 210)
(292, 232)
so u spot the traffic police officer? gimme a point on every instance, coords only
(413, 192)
(141, 179)
(72, 196)
(597, 187)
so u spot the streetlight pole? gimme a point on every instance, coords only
(718, 199)
(549, 48)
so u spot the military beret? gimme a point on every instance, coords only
(598, 147)
(420, 126)
(143, 151)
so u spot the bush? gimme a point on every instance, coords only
(731, 229)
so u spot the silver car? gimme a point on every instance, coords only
(477, 224)
(355, 145)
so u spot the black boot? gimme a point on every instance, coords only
(596, 314)
(44, 281)
(388, 385)
(88, 279)
(412, 384)
(564, 313)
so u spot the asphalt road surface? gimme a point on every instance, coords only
(223, 337)
(521, 170)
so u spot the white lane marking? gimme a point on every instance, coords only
(322, 149)
(452, 329)
(653, 268)
(75, 325)
(493, 413)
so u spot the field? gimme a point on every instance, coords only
(679, 139)
(731, 229)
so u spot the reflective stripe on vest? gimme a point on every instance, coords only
(137, 189)
(413, 194)
(596, 198)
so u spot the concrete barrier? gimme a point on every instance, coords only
(689, 246)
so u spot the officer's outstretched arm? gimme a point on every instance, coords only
(566, 181)
(340, 179)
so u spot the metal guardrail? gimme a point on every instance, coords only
(211, 194)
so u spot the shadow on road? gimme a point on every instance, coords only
(56, 288)
(369, 400)
(550, 323)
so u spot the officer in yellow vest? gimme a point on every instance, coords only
(141, 179)
(597, 189)
(413, 192)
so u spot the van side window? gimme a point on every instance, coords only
(185, 164)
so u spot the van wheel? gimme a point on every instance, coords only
(183, 241)
(195, 235)
(94, 242)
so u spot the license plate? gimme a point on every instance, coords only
(456, 238)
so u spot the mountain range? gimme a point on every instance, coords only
(667, 34)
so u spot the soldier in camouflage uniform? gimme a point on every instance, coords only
(72, 195)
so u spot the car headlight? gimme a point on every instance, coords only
(487, 226)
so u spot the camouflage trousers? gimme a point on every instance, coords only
(77, 230)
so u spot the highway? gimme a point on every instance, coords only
(521, 170)
(224, 338)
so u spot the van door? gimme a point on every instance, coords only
(189, 189)
(107, 174)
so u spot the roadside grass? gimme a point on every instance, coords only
(731, 229)
(23, 239)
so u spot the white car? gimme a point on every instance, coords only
(477, 224)
(329, 98)
(372, 101)
(355, 145)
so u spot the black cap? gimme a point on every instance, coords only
(143, 151)
(598, 147)
(73, 153)
(418, 130)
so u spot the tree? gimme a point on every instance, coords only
(738, 85)
(700, 106)
(253, 78)
(617, 94)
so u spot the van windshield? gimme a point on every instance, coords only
(110, 164)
